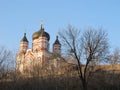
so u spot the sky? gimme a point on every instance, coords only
(19, 16)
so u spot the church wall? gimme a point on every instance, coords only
(57, 49)
(40, 44)
(23, 46)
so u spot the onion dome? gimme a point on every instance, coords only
(40, 33)
(57, 41)
(24, 38)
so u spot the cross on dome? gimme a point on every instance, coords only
(41, 23)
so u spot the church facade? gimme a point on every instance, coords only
(39, 54)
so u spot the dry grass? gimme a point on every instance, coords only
(110, 67)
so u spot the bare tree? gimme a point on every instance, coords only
(89, 47)
(6, 62)
(114, 58)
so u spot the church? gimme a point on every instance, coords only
(39, 54)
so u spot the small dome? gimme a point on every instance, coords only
(24, 38)
(40, 33)
(57, 41)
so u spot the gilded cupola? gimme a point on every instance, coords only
(40, 33)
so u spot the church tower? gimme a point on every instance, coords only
(24, 44)
(57, 46)
(21, 55)
(40, 44)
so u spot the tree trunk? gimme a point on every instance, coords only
(84, 84)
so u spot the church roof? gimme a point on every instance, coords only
(57, 41)
(41, 33)
(24, 38)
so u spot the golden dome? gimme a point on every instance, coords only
(40, 33)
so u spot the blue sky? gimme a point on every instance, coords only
(19, 16)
